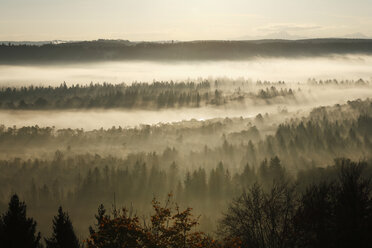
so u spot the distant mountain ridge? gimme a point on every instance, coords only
(117, 50)
(284, 35)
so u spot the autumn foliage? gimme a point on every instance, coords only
(168, 227)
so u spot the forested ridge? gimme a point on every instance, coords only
(115, 50)
(322, 134)
(163, 94)
(156, 95)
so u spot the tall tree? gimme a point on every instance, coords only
(262, 219)
(63, 232)
(16, 230)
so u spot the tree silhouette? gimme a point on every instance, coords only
(353, 208)
(63, 232)
(338, 213)
(314, 218)
(262, 219)
(16, 230)
(168, 228)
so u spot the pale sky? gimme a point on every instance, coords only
(36, 20)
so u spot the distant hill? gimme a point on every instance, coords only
(33, 43)
(116, 50)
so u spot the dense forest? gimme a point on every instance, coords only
(156, 95)
(115, 50)
(322, 134)
(188, 183)
(162, 95)
(329, 207)
(206, 165)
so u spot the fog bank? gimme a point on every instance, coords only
(309, 98)
(293, 70)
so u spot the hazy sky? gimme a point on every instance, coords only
(182, 20)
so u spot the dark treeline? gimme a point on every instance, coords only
(138, 95)
(359, 82)
(322, 207)
(205, 175)
(332, 211)
(112, 50)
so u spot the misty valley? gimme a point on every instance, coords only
(162, 145)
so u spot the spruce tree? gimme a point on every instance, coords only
(16, 230)
(63, 232)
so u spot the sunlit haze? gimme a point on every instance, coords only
(185, 124)
(183, 20)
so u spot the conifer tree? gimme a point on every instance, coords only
(63, 232)
(16, 230)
